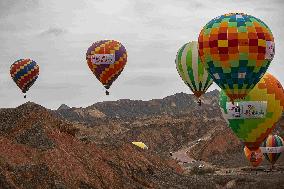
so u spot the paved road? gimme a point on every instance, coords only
(181, 156)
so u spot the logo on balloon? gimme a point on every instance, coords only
(246, 109)
(103, 59)
(270, 50)
(272, 150)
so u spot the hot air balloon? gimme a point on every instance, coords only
(106, 59)
(24, 72)
(272, 148)
(253, 118)
(282, 134)
(255, 157)
(140, 145)
(191, 70)
(236, 49)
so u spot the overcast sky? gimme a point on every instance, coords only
(57, 33)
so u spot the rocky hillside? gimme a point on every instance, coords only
(38, 149)
(165, 125)
(91, 147)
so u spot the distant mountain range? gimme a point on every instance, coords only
(172, 105)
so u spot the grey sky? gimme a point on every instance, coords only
(57, 33)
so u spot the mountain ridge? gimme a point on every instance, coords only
(91, 147)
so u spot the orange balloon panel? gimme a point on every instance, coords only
(254, 156)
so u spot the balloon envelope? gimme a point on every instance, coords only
(273, 146)
(140, 145)
(106, 59)
(236, 49)
(24, 72)
(253, 118)
(255, 157)
(191, 70)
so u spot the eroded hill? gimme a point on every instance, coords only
(91, 147)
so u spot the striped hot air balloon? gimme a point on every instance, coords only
(106, 59)
(191, 70)
(253, 118)
(272, 148)
(236, 50)
(24, 72)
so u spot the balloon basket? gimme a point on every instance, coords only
(199, 102)
(107, 93)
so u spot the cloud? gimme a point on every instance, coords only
(265, 9)
(57, 34)
(59, 86)
(149, 81)
(143, 8)
(13, 7)
(53, 31)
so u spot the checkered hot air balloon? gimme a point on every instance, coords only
(272, 148)
(236, 49)
(253, 118)
(24, 72)
(106, 59)
(191, 70)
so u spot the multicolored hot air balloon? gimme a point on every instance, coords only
(255, 157)
(236, 49)
(253, 118)
(24, 72)
(272, 148)
(282, 134)
(191, 70)
(106, 59)
(140, 145)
